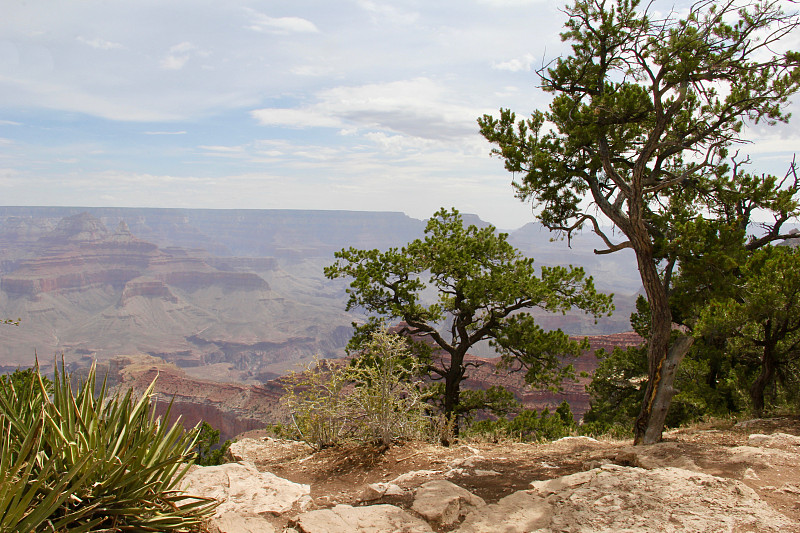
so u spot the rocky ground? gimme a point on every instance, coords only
(718, 477)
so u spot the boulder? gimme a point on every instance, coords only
(775, 440)
(369, 519)
(258, 450)
(619, 498)
(520, 512)
(760, 458)
(660, 455)
(413, 478)
(444, 503)
(243, 490)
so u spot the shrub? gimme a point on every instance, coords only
(279, 430)
(315, 400)
(527, 426)
(376, 398)
(86, 462)
(387, 402)
(207, 439)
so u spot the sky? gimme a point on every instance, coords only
(354, 104)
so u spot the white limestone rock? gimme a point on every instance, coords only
(234, 523)
(369, 519)
(520, 512)
(774, 440)
(375, 491)
(618, 498)
(245, 491)
(444, 503)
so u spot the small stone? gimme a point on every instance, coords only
(372, 492)
(393, 490)
(750, 474)
(467, 462)
(376, 491)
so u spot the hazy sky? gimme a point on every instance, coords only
(352, 104)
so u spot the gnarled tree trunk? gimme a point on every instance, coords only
(764, 378)
(663, 359)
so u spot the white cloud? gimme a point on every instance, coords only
(522, 64)
(164, 132)
(178, 56)
(174, 62)
(418, 107)
(384, 10)
(10, 123)
(508, 3)
(119, 177)
(281, 25)
(223, 151)
(311, 70)
(100, 44)
(396, 144)
(295, 118)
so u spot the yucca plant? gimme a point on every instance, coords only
(114, 465)
(30, 491)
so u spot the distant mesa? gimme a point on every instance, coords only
(81, 252)
(79, 228)
(147, 288)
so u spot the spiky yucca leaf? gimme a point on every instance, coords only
(128, 460)
(31, 491)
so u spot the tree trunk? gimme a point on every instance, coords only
(659, 393)
(662, 360)
(452, 392)
(451, 395)
(764, 378)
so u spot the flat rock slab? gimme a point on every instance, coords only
(774, 440)
(618, 498)
(232, 523)
(520, 512)
(760, 458)
(368, 519)
(243, 490)
(257, 450)
(444, 503)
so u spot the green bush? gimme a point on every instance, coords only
(84, 462)
(527, 426)
(279, 430)
(207, 439)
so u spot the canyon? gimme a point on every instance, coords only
(222, 303)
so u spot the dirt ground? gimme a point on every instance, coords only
(494, 470)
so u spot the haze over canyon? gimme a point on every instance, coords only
(228, 295)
